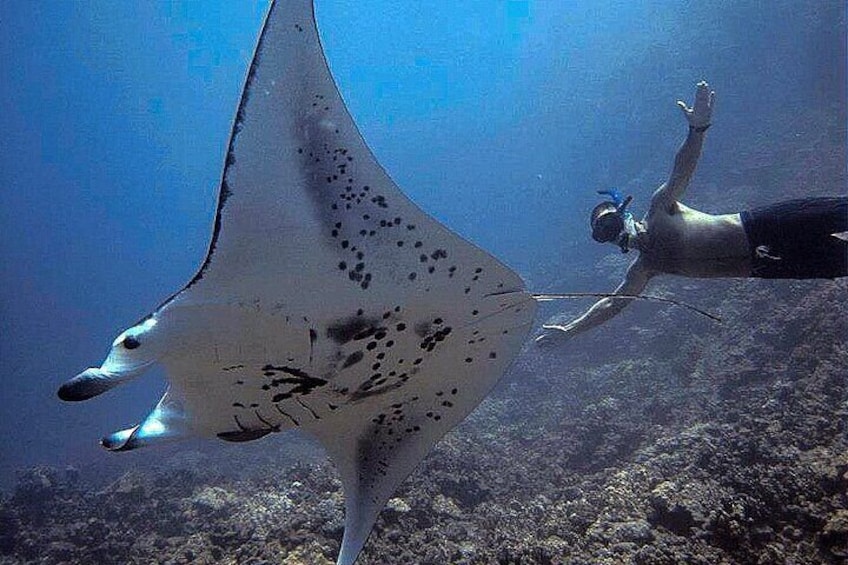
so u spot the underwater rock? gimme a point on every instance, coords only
(395, 509)
(72, 476)
(466, 492)
(835, 534)
(330, 514)
(397, 505)
(671, 510)
(446, 506)
(130, 487)
(213, 500)
(637, 531)
(308, 554)
(36, 485)
(8, 531)
(58, 551)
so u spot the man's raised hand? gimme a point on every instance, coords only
(700, 114)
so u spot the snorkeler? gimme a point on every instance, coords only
(798, 239)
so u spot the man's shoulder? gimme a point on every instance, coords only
(662, 205)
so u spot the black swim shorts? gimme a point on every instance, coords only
(793, 239)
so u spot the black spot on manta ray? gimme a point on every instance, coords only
(351, 328)
(303, 383)
(422, 329)
(243, 435)
(353, 359)
(379, 386)
(298, 373)
(430, 341)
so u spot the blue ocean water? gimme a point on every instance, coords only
(500, 118)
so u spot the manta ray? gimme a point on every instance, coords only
(327, 301)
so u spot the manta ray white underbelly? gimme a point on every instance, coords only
(327, 301)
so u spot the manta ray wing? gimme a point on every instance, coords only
(327, 301)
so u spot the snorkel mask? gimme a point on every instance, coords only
(609, 219)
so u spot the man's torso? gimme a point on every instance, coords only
(694, 244)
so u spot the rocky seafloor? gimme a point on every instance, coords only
(726, 444)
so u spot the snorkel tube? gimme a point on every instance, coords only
(617, 199)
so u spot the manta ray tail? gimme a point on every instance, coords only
(567, 295)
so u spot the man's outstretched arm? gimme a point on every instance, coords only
(699, 117)
(634, 283)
